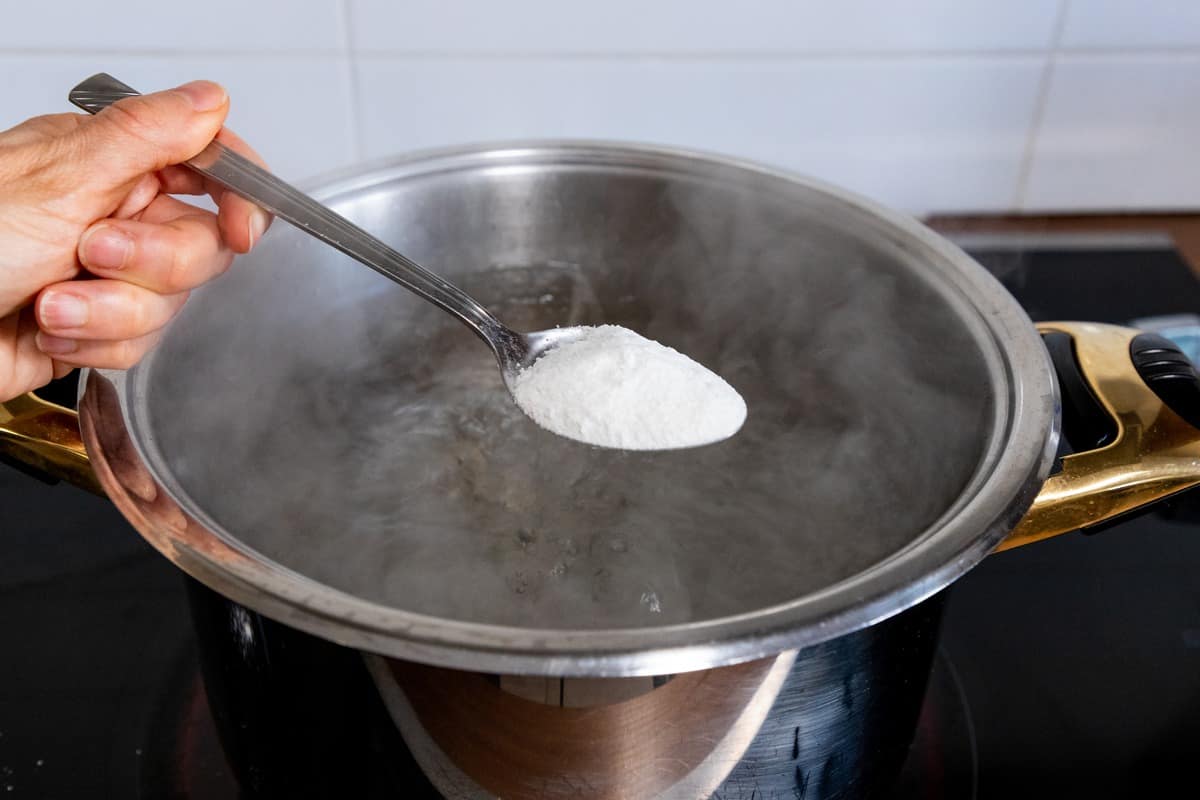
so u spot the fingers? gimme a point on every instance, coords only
(146, 133)
(155, 133)
(144, 268)
(23, 367)
(47, 126)
(140, 196)
(241, 222)
(160, 252)
(103, 310)
(105, 355)
(101, 323)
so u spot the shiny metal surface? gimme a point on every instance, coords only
(834, 720)
(45, 437)
(1154, 454)
(829, 721)
(297, 451)
(514, 351)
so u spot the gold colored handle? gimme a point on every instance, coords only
(1154, 455)
(45, 438)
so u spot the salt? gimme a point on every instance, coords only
(613, 388)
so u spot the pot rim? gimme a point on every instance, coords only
(1016, 460)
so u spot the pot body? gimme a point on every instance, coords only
(299, 715)
(348, 462)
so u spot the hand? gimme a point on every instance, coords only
(96, 256)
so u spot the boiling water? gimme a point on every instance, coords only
(364, 439)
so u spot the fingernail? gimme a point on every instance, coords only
(63, 310)
(258, 225)
(55, 346)
(203, 95)
(105, 247)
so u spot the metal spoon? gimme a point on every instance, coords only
(514, 351)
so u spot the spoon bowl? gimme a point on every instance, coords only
(517, 351)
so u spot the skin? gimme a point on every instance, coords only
(96, 255)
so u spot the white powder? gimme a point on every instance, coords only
(614, 388)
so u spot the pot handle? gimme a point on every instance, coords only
(1131, 412)
(43, 439)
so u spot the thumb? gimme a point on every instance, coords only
(149, 132)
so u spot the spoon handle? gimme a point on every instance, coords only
(247, 179)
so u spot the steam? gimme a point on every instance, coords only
(361, 437)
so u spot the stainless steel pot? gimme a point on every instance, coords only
(298, 716)
(316, 444)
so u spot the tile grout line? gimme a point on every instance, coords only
(183, 52)
(763, 56)
(350, 65)
(796, 56)
(1039, 108)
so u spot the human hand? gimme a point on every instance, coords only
(96, 256)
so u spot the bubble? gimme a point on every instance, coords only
(650, 601)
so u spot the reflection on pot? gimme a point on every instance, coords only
(828, 721)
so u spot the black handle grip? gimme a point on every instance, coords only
(1086, 424)
(1169, 373)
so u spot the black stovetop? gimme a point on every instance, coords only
(1080, 656)
(1073, 666)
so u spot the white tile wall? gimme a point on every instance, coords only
(700, 26)
(1119, 131)
(872, 126)
(271, 98)
(928, 105)
(141, 25)
(1132, 24)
